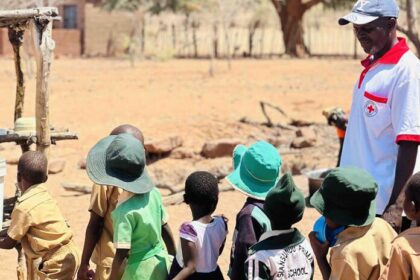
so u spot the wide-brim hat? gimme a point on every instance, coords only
(258, 169)
(347, 197)
(366, 11)
(285, 203)
(119, 160)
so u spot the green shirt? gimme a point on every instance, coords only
(137, 224)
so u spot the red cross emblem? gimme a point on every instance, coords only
(370, 108)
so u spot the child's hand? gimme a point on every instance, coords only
(85, 273)
(320, 249)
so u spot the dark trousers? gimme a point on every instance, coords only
(215, 275)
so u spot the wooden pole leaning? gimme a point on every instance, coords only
(41, 28)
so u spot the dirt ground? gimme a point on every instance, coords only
(171, 98)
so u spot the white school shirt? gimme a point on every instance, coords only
(385, 110)
(294, 261)
(208, 239)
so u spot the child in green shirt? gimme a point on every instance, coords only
(138, 218)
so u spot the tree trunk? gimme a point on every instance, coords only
(290, 14)
(412, 33)
(215, 40)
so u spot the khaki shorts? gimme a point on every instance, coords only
(61, 265)
(102, 272)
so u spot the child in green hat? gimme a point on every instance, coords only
(404, 261)
(257, 171)
(283, 252)
(119, 160)
(359, 243)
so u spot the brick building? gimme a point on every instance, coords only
(68, 33)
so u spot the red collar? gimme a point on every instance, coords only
(393, 56)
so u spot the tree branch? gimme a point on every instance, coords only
(403, 30)
(312, 3)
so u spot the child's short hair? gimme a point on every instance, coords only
(33, 166)
(201, 188)
(412, 191)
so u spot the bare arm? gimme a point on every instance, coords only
(92, 235)
(188, 254)
(321, 251)
(168, 239)
(7, 243)
(406, 161)
(118, 265)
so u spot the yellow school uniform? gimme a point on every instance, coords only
(39, 225)
(404, 262)
(103, 201)
(361, 253)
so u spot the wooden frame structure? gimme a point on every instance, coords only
(39, 21)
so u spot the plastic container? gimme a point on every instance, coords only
(2, 175)
(315, 179)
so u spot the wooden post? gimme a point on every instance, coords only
(44, 46)
(16, 39)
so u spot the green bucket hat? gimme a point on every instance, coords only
(119, 160)
(284, 204)
(257, 169)
(347, 197)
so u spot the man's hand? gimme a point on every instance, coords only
(393, 214)
(85, 273)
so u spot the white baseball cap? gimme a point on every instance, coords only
(365, 11)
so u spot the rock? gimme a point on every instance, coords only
(278, 141)
(219, 148)
(82, 163)
(297, 168)
(183, 153)
(164, 145)
(220, 167)
(307, 132)
(56, 166)
(302, 142)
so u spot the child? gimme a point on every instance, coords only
(257, 171)
(119, 160)
(38, 224)
(283, 252)
(203, 239)
(404, 262)
(347, 201)
(99, 232)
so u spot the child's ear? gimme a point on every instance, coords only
(410, 209)
(186, 199)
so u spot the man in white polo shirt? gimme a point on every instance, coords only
(384, 125)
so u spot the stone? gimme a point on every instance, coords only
(163, 146)
(82, 163)
(302, 142)
(183, 153)
(56, 166)
(278, 141)
(219, 148)
(307, 132)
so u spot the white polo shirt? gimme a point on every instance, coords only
(385, 110)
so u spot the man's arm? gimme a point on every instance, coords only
(168, 239)
(118, 265)
(92, 235)
(406, 161)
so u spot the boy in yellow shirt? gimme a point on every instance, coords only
(404, 262)
(39, 225)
